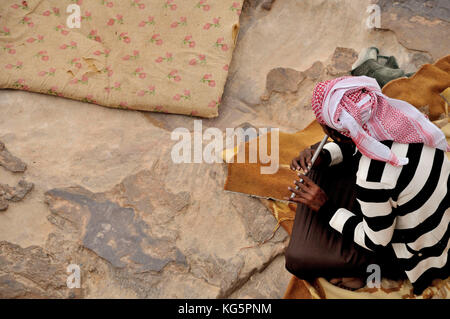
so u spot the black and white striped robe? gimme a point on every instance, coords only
(406, 207)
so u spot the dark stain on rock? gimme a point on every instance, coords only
(114, 231)
(267, 4)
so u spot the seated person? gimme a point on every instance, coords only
(378, 194)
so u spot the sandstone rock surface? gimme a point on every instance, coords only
(108, 197)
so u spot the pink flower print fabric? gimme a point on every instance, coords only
(167, 56)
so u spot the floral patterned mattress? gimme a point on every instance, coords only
(155, 55)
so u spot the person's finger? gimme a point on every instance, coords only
(308, 181)
(301, 194)
(308, 158)
(307, 197)
(305, 160)
(302, 162)
(296, 200)
(301, 201)
(303, 187)
(292, 200)
(295, 165)
(295, 191)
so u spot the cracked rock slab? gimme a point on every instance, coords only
(214, 269)
(116, 233)
(419, 25)
(342, 61)
(270, 283)
(13, 194)
(159, 243)
(31, 273)
(288, 94)
(283, 80)
(10, 162)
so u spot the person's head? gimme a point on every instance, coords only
(336, 136)
(319, 94)
(356, 108)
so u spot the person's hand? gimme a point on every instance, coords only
(309, 193)
(303, 160)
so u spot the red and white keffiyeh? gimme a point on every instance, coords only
(355, 107)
